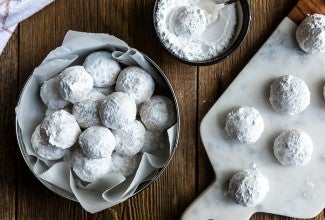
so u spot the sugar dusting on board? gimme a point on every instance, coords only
(195, 30)
(309, 189)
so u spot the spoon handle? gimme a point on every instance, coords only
(229, 2)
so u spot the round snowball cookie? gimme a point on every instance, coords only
(293, 148)
(51, 95)
(130, 139)
(153, 140)
(86, 111)
(137, 83)
(75, 83)
(244, 124)
(125, 165)
(89, 169)
(103, 68)
(188, 22)
(158, 113)
(118, 110)
(43, 149)
(97, 142)
(289, 95)
(248, 188)
(60, 129)
(311, 34)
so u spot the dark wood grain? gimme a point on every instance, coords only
(35, 201)
(306, 7)
(8, 149)
(189, 173)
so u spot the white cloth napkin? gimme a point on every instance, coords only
(14, 11)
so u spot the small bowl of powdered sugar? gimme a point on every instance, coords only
(201, 32)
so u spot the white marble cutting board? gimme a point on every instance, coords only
(294, 192)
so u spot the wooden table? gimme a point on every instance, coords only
(197, 88)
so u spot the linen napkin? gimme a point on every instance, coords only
(14, 11)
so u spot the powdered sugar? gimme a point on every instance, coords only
(86, 111)
(60, 129)
(293, 148)
(43, 149)
(311, 34)
(130, 139)
(97, 142)
(192, 31)
(51, 95)
(188, 22)
(103, 68)
(136, 82)
(118, 110)
(158, 113)
(75, 83)
(125, 165)
(289, 95)
(248, 187)
(89, 169)
(244, 124)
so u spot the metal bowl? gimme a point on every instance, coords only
(170, 93)
(243, 16)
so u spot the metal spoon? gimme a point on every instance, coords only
(225, 2)
(213, 7)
